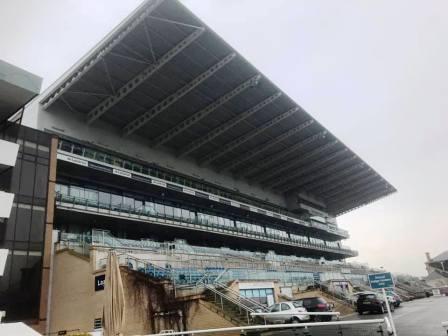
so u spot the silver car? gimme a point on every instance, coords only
(293, 313)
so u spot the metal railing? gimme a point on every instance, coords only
(154, 172)
(380, 327)
(71, 202)
(257, 306)
(221, 299)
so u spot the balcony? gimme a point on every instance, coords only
(87, 157)
(190, 222)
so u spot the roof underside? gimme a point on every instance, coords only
(165, 77)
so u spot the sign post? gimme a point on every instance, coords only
(383, 281)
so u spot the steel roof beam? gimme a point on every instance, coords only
(275, 158)
(150, 114)
(246, 137)
(360, 196)
(137, 80)
(96, 55)
(196, 144)
(356, 176)
(347, 186)
(357, 203)
(309, 168)
(335, 176)
(284, 168)
(323, 171)
(196, 117)
(315, 180)
(359, 189)
(265, 146)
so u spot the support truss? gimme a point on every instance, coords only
(356, 176)
(333, 176)
(269, 144)
(227, 125)
(293, 164)
(196, 117)
(171, 99)
(356, 190)
(347, 186)
(134, 82)
(96, 55)
(273, 159)
(313, 167)
(246, 137)
(322, 172)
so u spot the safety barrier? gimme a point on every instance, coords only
(340, 328)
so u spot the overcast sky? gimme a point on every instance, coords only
(375, 73)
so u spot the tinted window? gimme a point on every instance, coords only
(307, 302)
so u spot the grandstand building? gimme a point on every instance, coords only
(165, 138)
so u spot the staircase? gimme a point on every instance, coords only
(228, 303)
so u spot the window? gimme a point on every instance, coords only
(285, 307)
(104, 198)
(275, 308)
(77, 150)
(169, 211)
(91, 196)
(298, 304)
(128, 202)
(160, 209)
(89, 153)
(116, 201)
(66, 146)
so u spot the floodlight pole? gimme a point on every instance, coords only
(388, 312)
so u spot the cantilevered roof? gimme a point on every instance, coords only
(17, 87)
(165, 77)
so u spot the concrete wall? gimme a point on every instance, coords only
(204, 318)
(72, 124)
(75, 303)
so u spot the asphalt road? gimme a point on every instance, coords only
(420, 317)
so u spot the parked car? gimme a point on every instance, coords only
(316, 304)
(287, 307)
(372, 303)
(396, 298)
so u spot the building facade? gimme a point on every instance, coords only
(162, 133)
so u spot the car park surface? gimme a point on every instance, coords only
(421, 317)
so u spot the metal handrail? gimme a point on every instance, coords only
(238, 295)
(273, 326)
(230, 299)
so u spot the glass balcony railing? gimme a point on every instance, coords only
(168, 215)
(168, 177)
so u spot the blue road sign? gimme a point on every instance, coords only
(381, 280)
